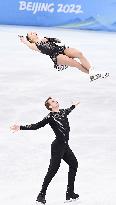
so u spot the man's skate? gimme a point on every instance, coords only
(40, 199)
(71, 196)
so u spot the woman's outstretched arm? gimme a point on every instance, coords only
(27, 43)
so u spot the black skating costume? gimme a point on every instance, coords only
(59, 148)
(53, 50)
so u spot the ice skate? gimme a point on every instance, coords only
(40, 199)
(71, 196)
(94, 76)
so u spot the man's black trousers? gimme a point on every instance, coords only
(61, 150)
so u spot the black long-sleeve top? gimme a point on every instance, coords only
(58, 122)
(50, 47)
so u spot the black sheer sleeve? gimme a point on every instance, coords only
(68, 110)
(36, 125)
(55, 40)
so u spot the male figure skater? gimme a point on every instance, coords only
(57, 119)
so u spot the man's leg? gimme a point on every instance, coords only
(71, 160)
(56, 155)
(52, 170)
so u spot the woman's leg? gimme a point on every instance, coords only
(74, 53)
(65, 60)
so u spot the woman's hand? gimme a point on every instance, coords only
(22, 39)
(26, 42)
(15, 128)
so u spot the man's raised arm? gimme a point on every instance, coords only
(68, 110)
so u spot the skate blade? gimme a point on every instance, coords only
(71, 200)
(106, 75)
(39, 203)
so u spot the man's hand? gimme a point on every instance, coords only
(75, 103)
(15, 128)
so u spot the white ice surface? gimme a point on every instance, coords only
(27, 78)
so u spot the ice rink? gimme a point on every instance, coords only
(27, 79)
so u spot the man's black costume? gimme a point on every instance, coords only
(59, 148)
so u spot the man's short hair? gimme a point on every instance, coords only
(47, 103)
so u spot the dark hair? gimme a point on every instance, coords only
(28, 39)
(47, 103)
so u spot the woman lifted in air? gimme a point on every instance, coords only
(61, 55)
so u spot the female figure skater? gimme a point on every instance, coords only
(62, 56)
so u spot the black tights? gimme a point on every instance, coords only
(61, 151)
